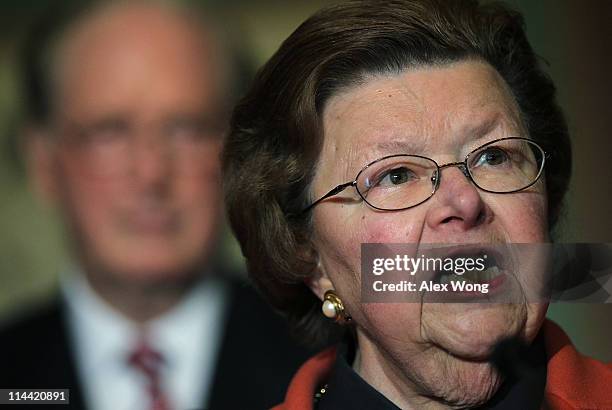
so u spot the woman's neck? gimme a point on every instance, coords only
(379, 371)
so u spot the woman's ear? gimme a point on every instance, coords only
(319, 282)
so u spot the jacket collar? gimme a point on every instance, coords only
(573, 381)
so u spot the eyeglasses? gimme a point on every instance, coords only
(108, 149)
(398, 182)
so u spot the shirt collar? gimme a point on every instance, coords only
(345, 389)
(188, 336)
(100, 331)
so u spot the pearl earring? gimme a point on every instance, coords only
(333, 308)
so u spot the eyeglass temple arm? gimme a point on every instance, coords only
(333, 192)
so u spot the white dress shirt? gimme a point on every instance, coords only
(188, 337)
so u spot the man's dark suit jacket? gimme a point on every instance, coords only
(255, 363)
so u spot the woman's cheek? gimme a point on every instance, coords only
(524, 217)
(389, 227)
(392, 321)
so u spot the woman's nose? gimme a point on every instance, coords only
(457, 205)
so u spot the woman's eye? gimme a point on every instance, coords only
(492, 156)
(396, 176)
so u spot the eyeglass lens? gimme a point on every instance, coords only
(402, 181)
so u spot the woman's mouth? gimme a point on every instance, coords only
(469, 273)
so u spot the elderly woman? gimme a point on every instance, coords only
(410, 122)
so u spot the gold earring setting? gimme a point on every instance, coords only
(333, 308)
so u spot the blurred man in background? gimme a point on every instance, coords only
(127, 105)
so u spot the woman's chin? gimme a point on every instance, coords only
(467, 383)
(471, 332)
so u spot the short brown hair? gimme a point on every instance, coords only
(276, 130)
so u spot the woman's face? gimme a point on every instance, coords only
(442, 113)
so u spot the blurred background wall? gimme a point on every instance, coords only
(573, 36)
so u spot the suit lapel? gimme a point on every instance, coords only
(257, 357)
(36, 353)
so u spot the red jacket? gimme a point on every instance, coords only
(573, 381)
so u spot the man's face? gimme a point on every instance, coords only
(136, 135)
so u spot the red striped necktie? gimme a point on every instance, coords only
(149, 362)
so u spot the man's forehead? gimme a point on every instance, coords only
(136, 54)
(133, 24)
